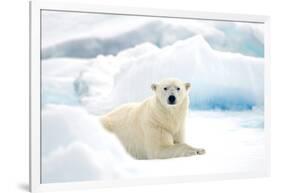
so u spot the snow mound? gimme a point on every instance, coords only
(81, 149)
(128, 31)
(155, 32)
(219, 80)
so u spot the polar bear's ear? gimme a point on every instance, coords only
(187, 85)
(154, 86)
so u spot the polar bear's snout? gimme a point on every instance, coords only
(172, 100)
(171, 92)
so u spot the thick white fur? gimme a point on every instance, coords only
(153, 129)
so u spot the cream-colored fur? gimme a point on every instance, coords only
(154, 129)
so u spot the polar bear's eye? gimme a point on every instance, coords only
(165, 88)
(178, 88)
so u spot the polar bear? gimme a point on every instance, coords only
(154, 128)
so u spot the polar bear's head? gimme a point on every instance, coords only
(171, 92)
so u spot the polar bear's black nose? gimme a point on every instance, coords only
(172, 99)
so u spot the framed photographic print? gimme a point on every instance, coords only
(129, 96)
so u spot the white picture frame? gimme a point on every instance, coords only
(35, 80)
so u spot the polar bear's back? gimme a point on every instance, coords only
(126, 122)
(119, 118)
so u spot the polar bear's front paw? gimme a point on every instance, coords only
(200, 151)
(188, 153)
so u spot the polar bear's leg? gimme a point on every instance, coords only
(179, 139)
(179, 136)
(199, 151)
(176, 150)
(159, 144)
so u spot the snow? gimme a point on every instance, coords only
(89, 35)
(77, 152)
(92, 69)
